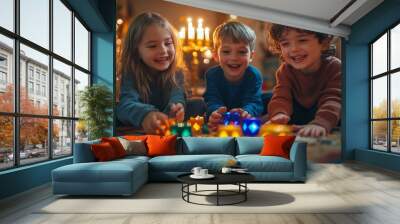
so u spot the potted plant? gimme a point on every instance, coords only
(96, 102)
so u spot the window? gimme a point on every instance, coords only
(385, 94)
(3, 61)
(37, 74)
(40, 81)
(43, 90)
(43, 77)
(3, 72)
(38, 89)
(3, 78)
(30, 72)
(30, 87)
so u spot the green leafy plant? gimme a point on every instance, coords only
(96, 103)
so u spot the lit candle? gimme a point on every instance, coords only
(190, 29)
(200, 29)
(182, 33)
(207, 33)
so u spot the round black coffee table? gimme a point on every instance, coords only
(238, 179)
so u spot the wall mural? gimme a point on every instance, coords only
(299, 92)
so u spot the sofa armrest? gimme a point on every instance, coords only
(83, 152)
(298, 155)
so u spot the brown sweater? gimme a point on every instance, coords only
(322, 88)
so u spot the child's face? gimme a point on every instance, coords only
(234, 58)
(301, 50)
(156, 48)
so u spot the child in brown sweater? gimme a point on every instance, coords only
(308, 89)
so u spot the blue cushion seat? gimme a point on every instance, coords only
(257, 163)
(119, 177)
(167, 168)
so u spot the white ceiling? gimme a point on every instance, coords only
(316, 15)
(320, 9)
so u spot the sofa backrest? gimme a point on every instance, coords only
(206, 145)
(249, 145)
(83, 152)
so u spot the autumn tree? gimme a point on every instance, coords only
(380, 127)
(32, 130)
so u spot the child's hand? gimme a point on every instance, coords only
(153, 122)
(279, 118)
(177, 111)
(243, 113)
(215, 118)
(312, 130)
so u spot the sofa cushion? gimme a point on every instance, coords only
(207, 145)
(103, 152)
(83, 152)
(257, 163)
(112, 171)
(133, 147)
(118, 177)
(277, 146)
(249, 145)
(116, 145)
(161, 145)
(185, 163)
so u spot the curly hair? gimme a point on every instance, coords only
(276, 31)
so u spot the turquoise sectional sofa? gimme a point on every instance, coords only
(125, 176)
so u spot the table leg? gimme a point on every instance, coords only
(217, 194)
(245, 191)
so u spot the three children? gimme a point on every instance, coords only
(307, 94)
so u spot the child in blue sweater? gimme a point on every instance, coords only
(233, 85)
(151, 86)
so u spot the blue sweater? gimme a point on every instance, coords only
(131, 109)
(245, 94)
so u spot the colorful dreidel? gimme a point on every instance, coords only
(231, 118)
(166, 128)
(251, 126)
(229, 131)
(197, 125)
(276, 129)
(181, 129)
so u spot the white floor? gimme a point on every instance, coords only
(377, 188)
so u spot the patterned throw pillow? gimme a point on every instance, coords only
(133, 147)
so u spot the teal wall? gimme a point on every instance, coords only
(99, 16)
(356, 85)
(24, 178)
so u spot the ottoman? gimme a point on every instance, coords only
(118, 177)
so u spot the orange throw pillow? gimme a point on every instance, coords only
(103, 151)
(161, 145)
(116, 145)
(135, 137)
(277, 146)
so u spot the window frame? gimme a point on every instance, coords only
(16, 115)
(388, 74)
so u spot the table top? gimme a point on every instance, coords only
(220, 178)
